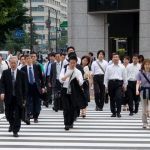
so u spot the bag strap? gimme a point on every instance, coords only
(100, 67)
(145, 77)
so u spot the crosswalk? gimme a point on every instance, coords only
(97, 131)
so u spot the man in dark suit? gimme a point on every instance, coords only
(14, 93)
(54, 80)
(35, 88)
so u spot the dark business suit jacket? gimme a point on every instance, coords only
(39, 80)
(53, 74)
(20, 87)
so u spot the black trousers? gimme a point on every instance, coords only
(99, 90)
(115, 93)
(33, 102)
(68, 108)
(133, 98)
(49, 91)
(57, 101)
(13, 115)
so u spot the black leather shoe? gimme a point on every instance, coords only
(36, 121)
(71, 126)
(56, 110)
(67, 127)
(131, 114)
(10, 129)
(15, 134)
(113, 115)
(27, 122)
(118, 115)
(135, 111)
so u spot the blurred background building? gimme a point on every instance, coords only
(48, 17)
(112, 25)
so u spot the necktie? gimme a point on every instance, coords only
(1, 70)
(31, 78)
(47, 71)
(13, 82)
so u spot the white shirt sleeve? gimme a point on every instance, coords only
(125, 81)
(62, 73)
(106, 78)
(79, 77)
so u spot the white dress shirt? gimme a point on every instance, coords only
(58, 69)
(132, 71)
(76, 74)
(32, 72)
(115, 72)
(96, 70)
(3, 66)
(15, 73)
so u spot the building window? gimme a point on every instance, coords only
(37, 0)
(38, 18)
(39, 27)
(37, 8)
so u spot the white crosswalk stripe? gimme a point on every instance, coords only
(97, 131)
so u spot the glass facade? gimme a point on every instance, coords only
(112, 5)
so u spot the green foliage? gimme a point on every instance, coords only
(12, 16)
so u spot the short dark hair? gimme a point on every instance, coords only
(88, 59)
(22, 56)
(90, 53)
(73, 58)
(26, 56)
(135, 55)
(1, 55)
(70, 47)
(127, 57)
(51, 54)
(72, 54)
(100, 51)
(113, 54)
(33, 53)
(57, 53)
(63, 54)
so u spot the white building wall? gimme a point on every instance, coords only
(86, 32)
(145, 28)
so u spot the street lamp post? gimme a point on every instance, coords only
(49, 27)
(31, 28)
(56, 29)
(56, 12)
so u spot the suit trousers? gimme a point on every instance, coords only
(116, 95)
(13, 114)
(49, 91)
(99, 90)
(1, 106)
(33, 101)
(68, 109)
(133, 98)
(57, 101)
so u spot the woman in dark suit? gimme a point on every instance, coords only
(85, 61)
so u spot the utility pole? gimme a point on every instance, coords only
(31, 28)
(56, 29)
(49, 27)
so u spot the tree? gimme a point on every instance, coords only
(12, 16)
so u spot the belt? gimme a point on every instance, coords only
(115, 80)
(99, 75)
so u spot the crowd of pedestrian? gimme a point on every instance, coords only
(65, 82)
